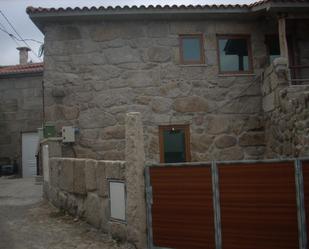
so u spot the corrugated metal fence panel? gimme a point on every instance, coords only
(306, 192)
(182, 210)
(258, 206)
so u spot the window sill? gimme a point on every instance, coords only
(193, 65)
(237, 75)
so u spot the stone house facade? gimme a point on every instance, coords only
(101, 63)
(21, 108)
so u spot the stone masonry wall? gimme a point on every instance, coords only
(287, 127)
(95, 72)
(286, 113)
(80, 186)
(20, 111)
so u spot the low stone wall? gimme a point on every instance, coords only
(286, 113)
(80, 186)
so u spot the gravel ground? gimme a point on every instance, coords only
(28, 222)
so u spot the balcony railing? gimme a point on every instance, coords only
(299, 74)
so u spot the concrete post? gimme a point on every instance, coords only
(50, 147)
(135, 182)
(54, 146)
(282, 38)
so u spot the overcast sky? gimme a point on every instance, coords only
(15, 11)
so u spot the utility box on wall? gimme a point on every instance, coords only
(117, 198)
(49, 130)
(68, 134)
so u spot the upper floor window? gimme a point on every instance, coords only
(191, 49)
(234, 54)
(174, 143)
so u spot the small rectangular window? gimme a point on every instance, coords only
(234, 54)
(273, 47)
(174, 143)
(191, 49)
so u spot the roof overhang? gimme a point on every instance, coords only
(41, 19)
(41, 16)
(20, 75)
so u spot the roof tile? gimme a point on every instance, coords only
(33, 10)
(22, 69)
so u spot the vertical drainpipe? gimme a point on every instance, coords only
(43, 124)
(43, 102)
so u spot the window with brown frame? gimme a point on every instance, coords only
(174, 143)
(191, 49)
(234, 54)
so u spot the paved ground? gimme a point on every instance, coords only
(28, 222)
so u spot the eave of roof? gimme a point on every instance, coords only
(214, 7)
(21, 70)
(41, 15)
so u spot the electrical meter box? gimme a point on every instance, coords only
(68, 134)
(49, 130)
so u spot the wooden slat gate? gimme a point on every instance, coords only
(228, 205)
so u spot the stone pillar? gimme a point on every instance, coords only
(54, 146)
(53, 150)
(135, 182)
(23, 55)
(284, 52)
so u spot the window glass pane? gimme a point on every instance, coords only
(174, 146)
(233, 54)
(191, 49)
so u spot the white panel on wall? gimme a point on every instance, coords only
(117, 200)
(45, 160)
